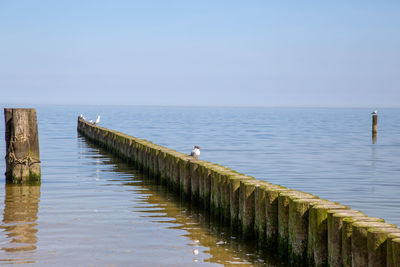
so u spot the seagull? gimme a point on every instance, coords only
(374, 112)
(97, 120)
(195, 152)
(81, 117)
(91, 121)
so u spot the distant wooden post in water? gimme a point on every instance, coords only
(374, 126)
(22, 145)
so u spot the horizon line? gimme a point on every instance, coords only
(201, 106)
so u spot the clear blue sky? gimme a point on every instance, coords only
(235, 53)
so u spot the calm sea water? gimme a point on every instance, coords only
(92, 209)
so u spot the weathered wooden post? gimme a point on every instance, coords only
(22, 145)
(374, 123)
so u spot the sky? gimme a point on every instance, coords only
(203, 53)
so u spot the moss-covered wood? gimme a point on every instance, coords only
(395, 252)
(389, 249)
(318, 232)
(335, 223)
(359, 243)
(247, 206)
(377, 245)
(259, 216)
(22, 145)
(298, 229)
(271, 213)
(347, 233)
(283, 218)
(194, 179)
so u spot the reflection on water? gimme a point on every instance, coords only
(210, 241)
(374, 138)
(103, 212)
(21, 205)
(207, 236)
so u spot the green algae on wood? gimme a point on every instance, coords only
(317, 249)
(389, 250)
(184, 177)
(234, 195)
(246, 206)
(393, 253)
(283, 218)
(347, 232)
(359, 247)
(162, 166)
(204, 185)
(259, 216)
(271, 213)
(396, 251)
(335, 222)
(377, 245)
(194, 179)
(215, 192)
(298, 229)
(225, 197)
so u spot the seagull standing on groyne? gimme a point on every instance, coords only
(195, 152)
(374, 112)
(97, 120)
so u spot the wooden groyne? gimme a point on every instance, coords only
(309, 231)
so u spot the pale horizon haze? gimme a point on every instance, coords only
(201, 53)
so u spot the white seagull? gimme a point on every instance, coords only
(81, 117)
(97, 120)
(195, 152)
(374, 112)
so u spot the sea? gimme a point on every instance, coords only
(91, 209)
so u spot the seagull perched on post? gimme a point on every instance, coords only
(97, 120)
(374, 112)
(81, 117)
(195, 152)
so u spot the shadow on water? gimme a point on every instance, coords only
(222, 244)
(21, 205)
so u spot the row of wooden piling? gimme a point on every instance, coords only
(307, 230)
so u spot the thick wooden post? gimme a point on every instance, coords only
(22, 145)
(374, 124)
